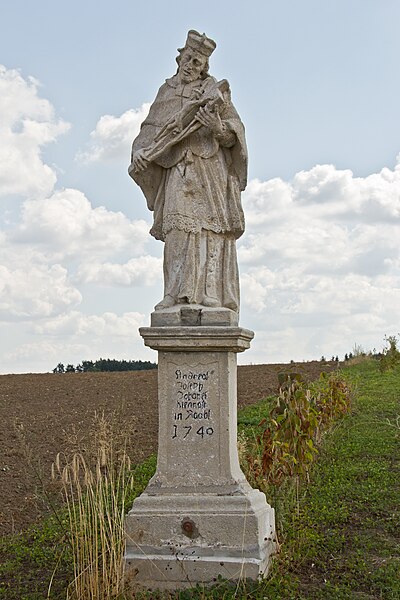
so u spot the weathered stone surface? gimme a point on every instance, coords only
(190, 160)
(197, 395)
(175, 541)
(197, 339)
(198, 517)
(194, 315)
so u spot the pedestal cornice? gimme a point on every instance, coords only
(197, 339)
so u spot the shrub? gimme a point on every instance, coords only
(390, 356)
(285, 445)
(331, 395)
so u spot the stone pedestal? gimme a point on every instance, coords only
(198, 517)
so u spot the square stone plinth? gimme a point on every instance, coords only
(176, 541)
(198, 518)
(194, 315)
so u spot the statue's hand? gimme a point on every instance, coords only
(139, 161)
(210, 118)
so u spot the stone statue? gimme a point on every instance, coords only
(198, 519)
(190, 160)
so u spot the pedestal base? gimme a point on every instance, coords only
(198, 519)
(175, 542)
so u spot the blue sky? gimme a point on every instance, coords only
(317, 86)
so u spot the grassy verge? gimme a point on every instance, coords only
(339, 533)
(38, 563)
(345, 540)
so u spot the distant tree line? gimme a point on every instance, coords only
(105, 364)
(333, 359)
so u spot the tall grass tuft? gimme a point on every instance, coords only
(95, 483)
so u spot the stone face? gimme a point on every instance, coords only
(198, 517)
(197, 402)
(196, 339)
(190, 160)
(176, 541)
(193, 315)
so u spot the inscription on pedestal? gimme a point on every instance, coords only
(192, 419)
(192, 410)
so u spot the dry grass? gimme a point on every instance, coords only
(95, 483)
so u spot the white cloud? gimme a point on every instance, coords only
(324, 192)
(49, 350)
(35, 291)
(325, 219)
(56, 233)
(112, 137)
(324, 184)
(254, 292)
(72, 337)
(27, 122)
(319, 260)
(75, 323)
(144, 270)
(66, 225)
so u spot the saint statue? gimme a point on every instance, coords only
(190, 160)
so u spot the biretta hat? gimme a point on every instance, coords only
(200, 42)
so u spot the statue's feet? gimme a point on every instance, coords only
(166, 302)
(211, 302)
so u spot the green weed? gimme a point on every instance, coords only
(390, 358)
(285, 444)
(339, 532)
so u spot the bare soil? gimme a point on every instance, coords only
(42, 414)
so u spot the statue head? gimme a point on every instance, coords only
(193, 58)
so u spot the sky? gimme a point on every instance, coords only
(317, 86)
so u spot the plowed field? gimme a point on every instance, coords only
(41, 414)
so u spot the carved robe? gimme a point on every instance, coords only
(194, 190)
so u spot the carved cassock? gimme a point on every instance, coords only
(194, 188)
